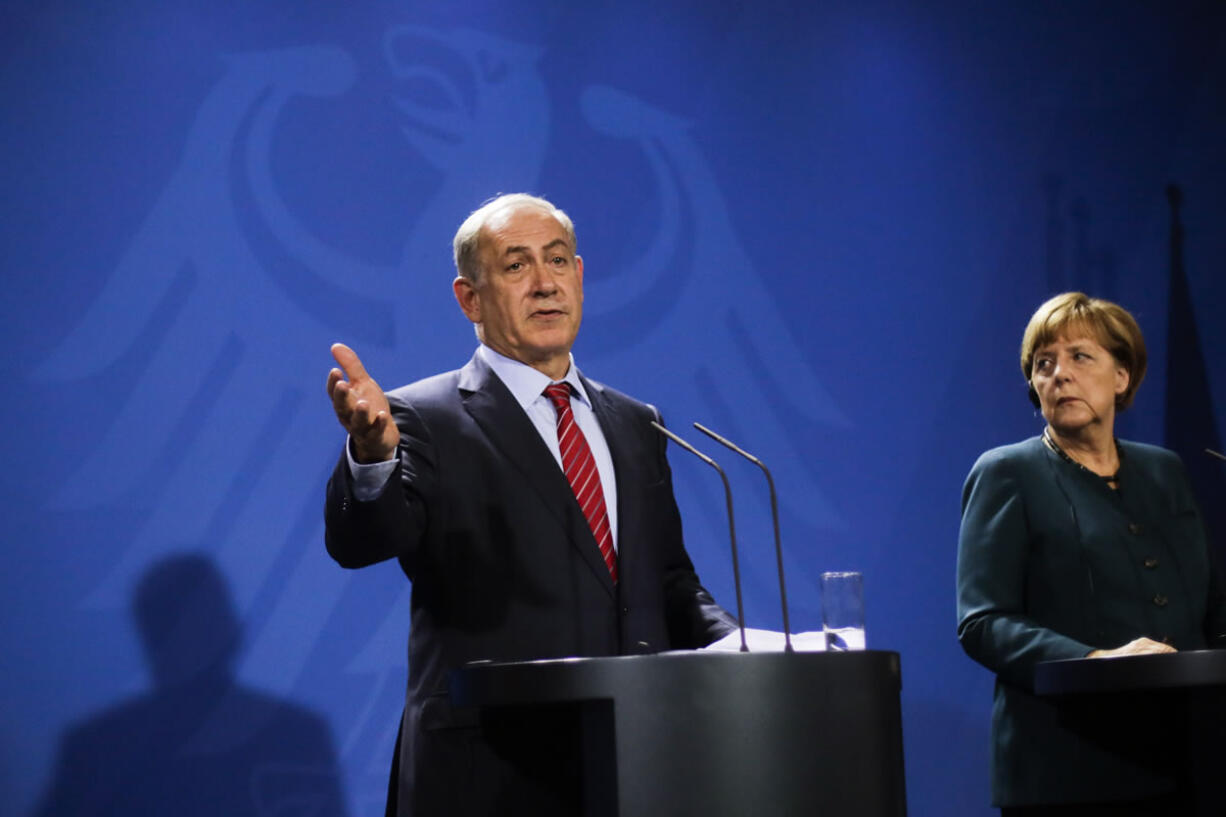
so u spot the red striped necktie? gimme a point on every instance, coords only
(580, 468)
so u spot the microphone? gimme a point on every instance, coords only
(736, 569)
(783, 593)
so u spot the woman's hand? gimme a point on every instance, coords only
(1138, 646)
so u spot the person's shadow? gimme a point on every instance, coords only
(197, 743)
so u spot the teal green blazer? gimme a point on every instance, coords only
(1052, 563)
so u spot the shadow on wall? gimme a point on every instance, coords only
(197, 743)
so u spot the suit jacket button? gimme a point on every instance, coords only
(1150, 562)
(1134, 528)
(1160, 600)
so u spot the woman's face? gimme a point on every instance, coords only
(1077, 381)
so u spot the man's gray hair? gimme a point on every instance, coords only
(467, 238)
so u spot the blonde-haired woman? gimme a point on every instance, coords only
(1074, 544)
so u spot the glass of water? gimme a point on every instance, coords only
(843, 610)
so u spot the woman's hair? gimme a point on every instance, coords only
(1110, 325)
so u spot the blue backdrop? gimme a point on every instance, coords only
(817, 228)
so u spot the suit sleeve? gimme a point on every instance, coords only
(393, 524)
(1215, 612)
(994, 627)
(1185, 505)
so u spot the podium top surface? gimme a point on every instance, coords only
(575, 679)
(1132, 673)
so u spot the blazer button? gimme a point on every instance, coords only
(1160, 600)
(1150, 562)
(1134, 528)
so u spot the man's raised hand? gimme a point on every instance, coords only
(361, 408)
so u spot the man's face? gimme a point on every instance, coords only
(529, 301)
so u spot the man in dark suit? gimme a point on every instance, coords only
(531, 508)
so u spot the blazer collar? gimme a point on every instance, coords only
(492, 406)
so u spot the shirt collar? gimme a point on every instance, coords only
(526, 383)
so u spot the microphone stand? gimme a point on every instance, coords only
(736, 569)
(783, 593)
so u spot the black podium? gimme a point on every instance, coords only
(1169, 672)
(714, 734)
(1188, 687)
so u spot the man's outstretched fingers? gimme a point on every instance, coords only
(349, 362)
(334, 377)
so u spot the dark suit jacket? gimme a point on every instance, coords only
(1052, 564)
(504, 567)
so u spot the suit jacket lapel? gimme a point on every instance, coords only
(494, 409)
(616, 434)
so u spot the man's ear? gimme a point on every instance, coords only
(579, 273)
(467, 297)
